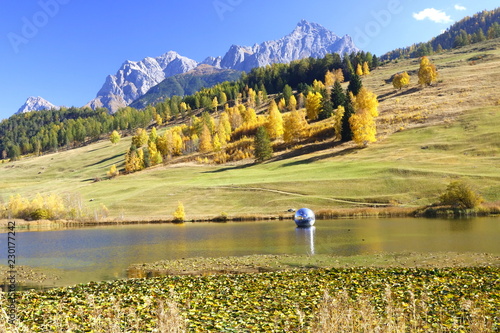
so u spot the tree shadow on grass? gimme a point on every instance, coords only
(397, 93)
(313, 159)
(235, 167)
(104, 160)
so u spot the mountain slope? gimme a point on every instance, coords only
(36, 104)
(134, 79)
(203, 76)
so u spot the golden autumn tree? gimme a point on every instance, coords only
(217, 143)
(215, 103)
(337, 122)
(313, 105)
(179, 213)
(113, 171)
(401, 80)
(339, 75)
(183, 108)
(359, 70)
(274, 125)
(134, 160)
(362, 122)
(294, 127)
(292, 103)
(318, 85)
(177, 144)
(225, 124)
(366, 68)
(206, 140)
(329, 78)
(252, 96)
(140, 138)
(154, 154)
(282, 105)
(427, 74)
(114, 137)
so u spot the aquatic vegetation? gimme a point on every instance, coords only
(444, 300)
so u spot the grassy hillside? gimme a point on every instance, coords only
(427, 137)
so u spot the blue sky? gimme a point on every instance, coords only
(62, 50)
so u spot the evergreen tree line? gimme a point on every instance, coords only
(470, 30)
(299, 73)
(50, 130)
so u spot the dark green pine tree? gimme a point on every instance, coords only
(355, 84)
(346, 126)
(287, 93)
(337, 95)
(262, 145)
(326, 105)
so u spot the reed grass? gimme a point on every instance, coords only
(342, 313)
(119, 319)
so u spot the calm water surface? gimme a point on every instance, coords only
(104, 253)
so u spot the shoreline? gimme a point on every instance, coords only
(331, 214)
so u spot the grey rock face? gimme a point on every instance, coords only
(135, 78)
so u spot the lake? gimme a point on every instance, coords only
(104, 253)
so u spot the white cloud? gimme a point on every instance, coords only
(432, 14)
(460, 7)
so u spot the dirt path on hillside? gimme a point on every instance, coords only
(261, 189)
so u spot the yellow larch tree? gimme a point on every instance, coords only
(337, 122)
(339, 75)
(215, 103)
(329, 78)
(318, 85)
(114, 137)
(274, 125)
(292, 103)
(427, 74)
(366, 68)
(313, 105)
(359, 70)
(295, 126)
(177, 144)
(401, 80)
(113, 171)
(226, 124)
(140, 138)
(206, 140)
(180, 213)
(282, 105)
(366, 100)
(217, 143)
(363, 127)
(252, 95)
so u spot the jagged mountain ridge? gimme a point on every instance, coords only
(36, 104)
(306, 40)
(135, 78)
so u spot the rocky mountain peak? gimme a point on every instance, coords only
(135, 78)
(36, 104)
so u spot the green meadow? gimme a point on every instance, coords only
(427, 137)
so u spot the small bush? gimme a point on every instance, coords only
(460, 195)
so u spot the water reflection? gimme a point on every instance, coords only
(104, 253)
(305, 237)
